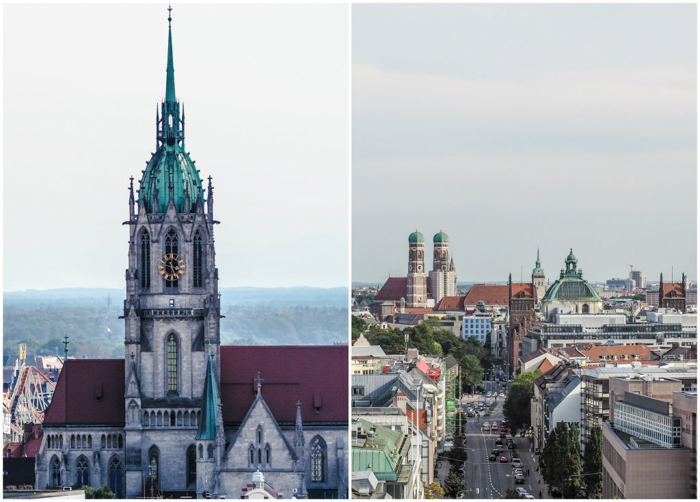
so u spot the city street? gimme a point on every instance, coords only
(486, 479)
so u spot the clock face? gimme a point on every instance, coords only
(171, 266)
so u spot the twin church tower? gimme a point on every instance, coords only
(425, 290)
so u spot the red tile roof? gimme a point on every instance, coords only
(315, 375)
(676, 287)
(523, 287)
(621, 351)
(394, 289)
(88, 391)
(451, 304)
(31, 442)
(545, 365)
(490, 294)
(312, 374)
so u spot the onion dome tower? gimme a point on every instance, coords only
(417, 283)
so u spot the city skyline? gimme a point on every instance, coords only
(513, 127)
(266, 94)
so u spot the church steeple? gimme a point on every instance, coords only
(172, 124)
(170, 80)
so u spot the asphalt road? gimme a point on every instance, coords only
(489, 480)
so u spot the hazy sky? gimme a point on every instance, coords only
(513, 126)
(266, 90)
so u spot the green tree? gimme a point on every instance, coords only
(517, 405)
(593, 464)
(472, 371)
(433, 490)
(358, 326)
(101, 493)
(561, 461)
(454, 483)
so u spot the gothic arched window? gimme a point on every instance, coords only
(191, 474)
(585, 309)
(210, 451)
(318, 460)
(82, 471)
(145, 260)
(55, 479)
(171, 247)
(201, 451)
(197, 275)
(251, 456)
(172, 363)
(268, 455)
(72, 441)
(116, 474)
(259, 435)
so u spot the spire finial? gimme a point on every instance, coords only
(170, 81)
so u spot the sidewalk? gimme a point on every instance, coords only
(533, 482)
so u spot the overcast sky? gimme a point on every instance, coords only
(516, 126)
(266, 89)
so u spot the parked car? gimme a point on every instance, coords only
(499, 441)
(486, 425)
(517, 462)
(494, 427)
(504, 460)
(492, 457)
(511, 446)
(521, 490)
(519, 479)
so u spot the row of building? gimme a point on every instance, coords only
(646, 410)
(403, 412)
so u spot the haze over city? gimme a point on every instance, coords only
(517, 127)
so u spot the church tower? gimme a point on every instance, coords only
(538, 278)
(171, 310)
(443, 277)
(417, 284)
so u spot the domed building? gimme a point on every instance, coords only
(571, 292)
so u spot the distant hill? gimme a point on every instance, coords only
(90, 317)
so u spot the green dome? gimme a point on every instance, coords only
(441, 237)
(571, 258)
(416, 237)
(570, 288)
(170, 163)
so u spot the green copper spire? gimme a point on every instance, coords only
(170, 81)
(210, 406)
(538, 266)
(171, 173)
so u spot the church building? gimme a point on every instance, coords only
(419, 289)
(182, 415)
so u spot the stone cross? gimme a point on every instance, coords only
(258, 383)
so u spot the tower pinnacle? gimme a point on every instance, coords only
(170, 81)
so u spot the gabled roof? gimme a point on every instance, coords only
(450, 304)
(676, 288)
(91, 391)
(523, 290)
(316, 375)
(532, 355)
(545, 365)
(490, 294)
(595, 352)
(88, 392)
(393, 289)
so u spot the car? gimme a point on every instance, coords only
(462, 495)
(501, 394)
(528, 496)
(519, 480)
(514, 454)
(448, 445)
(511, 446)
(470, 414)
(492, 457)
(486, 425)
(521, 491)
(494, 427)
(504, 460)
(517, 462)
(517, 470)
(499, 441)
